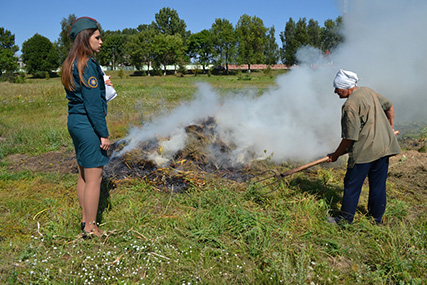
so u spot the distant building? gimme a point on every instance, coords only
(257, 66)
(199, 66)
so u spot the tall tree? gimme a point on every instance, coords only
(224, 41)
(330, 34)
(251, 34)
(289, 43)
(271, 51)
(140, 48)
(313, 31)
(145, 27)
(200, 48)
(64, 41)
(295, 36)
(40, 56)
(129, 31)
(168, 50)
(8, 61)
(301, 33)
(113, 49)
(168, 23)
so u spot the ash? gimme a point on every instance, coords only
(188, 167)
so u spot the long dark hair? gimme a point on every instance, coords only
(80, 50)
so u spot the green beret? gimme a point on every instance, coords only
(81, 24)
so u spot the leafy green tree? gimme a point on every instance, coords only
(224, 41)
(40, 56)
(145, 27)
(168, 23)
(330, 34)
(295, 36)
(301, 33)
(200, 48)
(271, 51)
(8, 61)
(168, 50)
(129, 31)
(64, 41)
(313, 31)
(140, 47)
(113, 49)
(289, 44)
(252, 39)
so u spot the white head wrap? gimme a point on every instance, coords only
(345, 79)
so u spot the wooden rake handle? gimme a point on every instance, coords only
(310, 164)
(305, 166)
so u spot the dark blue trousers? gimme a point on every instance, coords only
(353, 182)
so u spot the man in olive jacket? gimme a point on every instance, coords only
(367, 131)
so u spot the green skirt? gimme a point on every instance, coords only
(86, 142)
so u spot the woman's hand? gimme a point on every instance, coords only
(105, 143)
(107, 80)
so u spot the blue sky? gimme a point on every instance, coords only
(24, 18)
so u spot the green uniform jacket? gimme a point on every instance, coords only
(364, 121)
(89, 97)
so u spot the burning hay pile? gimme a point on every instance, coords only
(189, 166)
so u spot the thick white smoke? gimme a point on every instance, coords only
(385, 45)
(294, 120)
(297, 119)
(300, 117)
(172, 125)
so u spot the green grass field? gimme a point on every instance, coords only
(218, 232)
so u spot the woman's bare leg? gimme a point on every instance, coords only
(81, 185)
(93, 178)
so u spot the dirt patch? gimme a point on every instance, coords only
(61, 162)
(408, 172)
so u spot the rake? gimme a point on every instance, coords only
(273, 178)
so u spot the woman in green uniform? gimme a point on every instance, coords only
(83, 80)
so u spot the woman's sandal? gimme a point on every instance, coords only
(88, 235)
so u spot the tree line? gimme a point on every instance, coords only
(166, 41)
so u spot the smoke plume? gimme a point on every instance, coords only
(299, 117)
(386, 46)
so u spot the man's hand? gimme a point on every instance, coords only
(390, 116)
(342, 149)
(333, 157)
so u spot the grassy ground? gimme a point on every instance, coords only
(222, 232)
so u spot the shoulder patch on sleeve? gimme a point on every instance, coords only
(92, 82)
